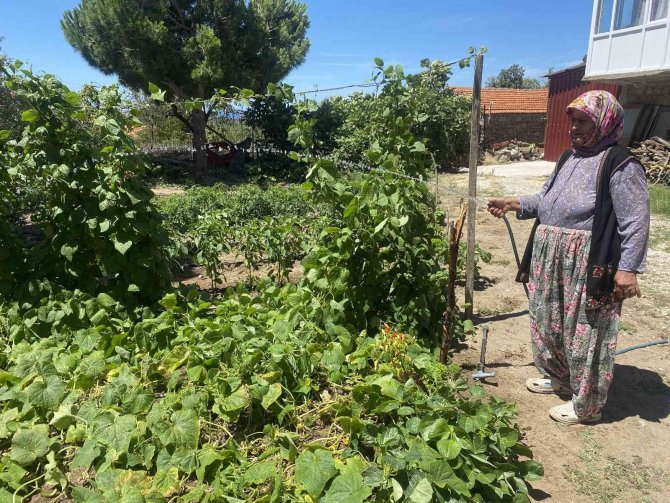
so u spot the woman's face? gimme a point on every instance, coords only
(582, 127)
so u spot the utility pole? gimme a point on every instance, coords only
(472, 186)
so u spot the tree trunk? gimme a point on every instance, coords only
(199, 125)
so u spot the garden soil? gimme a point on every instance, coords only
(624, 457)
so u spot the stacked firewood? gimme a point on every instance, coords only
(654, 154)
(515, 151)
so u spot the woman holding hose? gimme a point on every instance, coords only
(586, 249)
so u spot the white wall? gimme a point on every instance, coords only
(628, 52)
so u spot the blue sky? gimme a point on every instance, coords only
(346, 35)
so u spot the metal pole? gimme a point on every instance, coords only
(472, 187)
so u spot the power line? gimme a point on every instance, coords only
(338, 88)
(372, 84)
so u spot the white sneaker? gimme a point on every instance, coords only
(566, 414)
(547, 386)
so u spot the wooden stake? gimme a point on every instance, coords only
(472, 187)
(455, 233)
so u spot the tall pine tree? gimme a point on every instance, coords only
(191, 47)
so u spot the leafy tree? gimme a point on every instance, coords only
(272, 116)
(191, 48)
(424, 103)
(513, 78)
(444, 115)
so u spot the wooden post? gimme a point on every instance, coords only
(472, 188)
(455, 231)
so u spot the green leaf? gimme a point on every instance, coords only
(379, 62)
(419, 147)
(273, 394)
(46, 394)
(186, 428)
(73, 98)
(333, 358)
(30, 115)
(83, 495)
(532, 470)
(28, 445)
(156, 93)
(122, 247)
(86, 454)
(106, 300)
(381, 225)
(68, 251)
(448, 448)
(7, 421)
(260, 472)
(166, 482)
(313, 470)
(169, 302)
(419, 491)
(435, 429)
(114, 431)
(238, 400)
(348, 487)
(397, 490)
(351, 208)
(93, 366)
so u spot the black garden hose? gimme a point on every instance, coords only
(525, 287)
(516, 253)
(643, 345)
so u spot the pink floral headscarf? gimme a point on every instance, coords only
(606, 113)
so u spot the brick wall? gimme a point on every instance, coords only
(524, 127)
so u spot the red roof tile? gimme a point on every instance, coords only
(510, 101)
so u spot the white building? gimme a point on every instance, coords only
(629, 45)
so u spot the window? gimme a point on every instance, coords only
(659, 9)
(629, 13)
(604, 16)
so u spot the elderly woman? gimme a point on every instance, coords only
(586, 249)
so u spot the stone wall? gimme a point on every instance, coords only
(646, 94)
(528, 128)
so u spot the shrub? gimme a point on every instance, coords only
(101, 231)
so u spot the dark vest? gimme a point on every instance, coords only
(605, 250)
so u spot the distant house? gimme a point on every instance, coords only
(564, 86)
(512, 114)
(629, 46)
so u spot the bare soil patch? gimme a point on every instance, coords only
(625, 457)
(235, 272)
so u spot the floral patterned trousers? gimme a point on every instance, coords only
(570, 343)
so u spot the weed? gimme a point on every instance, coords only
(660, 199)
(507, 305)
(607, 479)
(503, 263)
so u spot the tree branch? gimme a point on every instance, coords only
(180, 116)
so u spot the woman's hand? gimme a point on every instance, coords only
(625, 285)
(501, 205)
